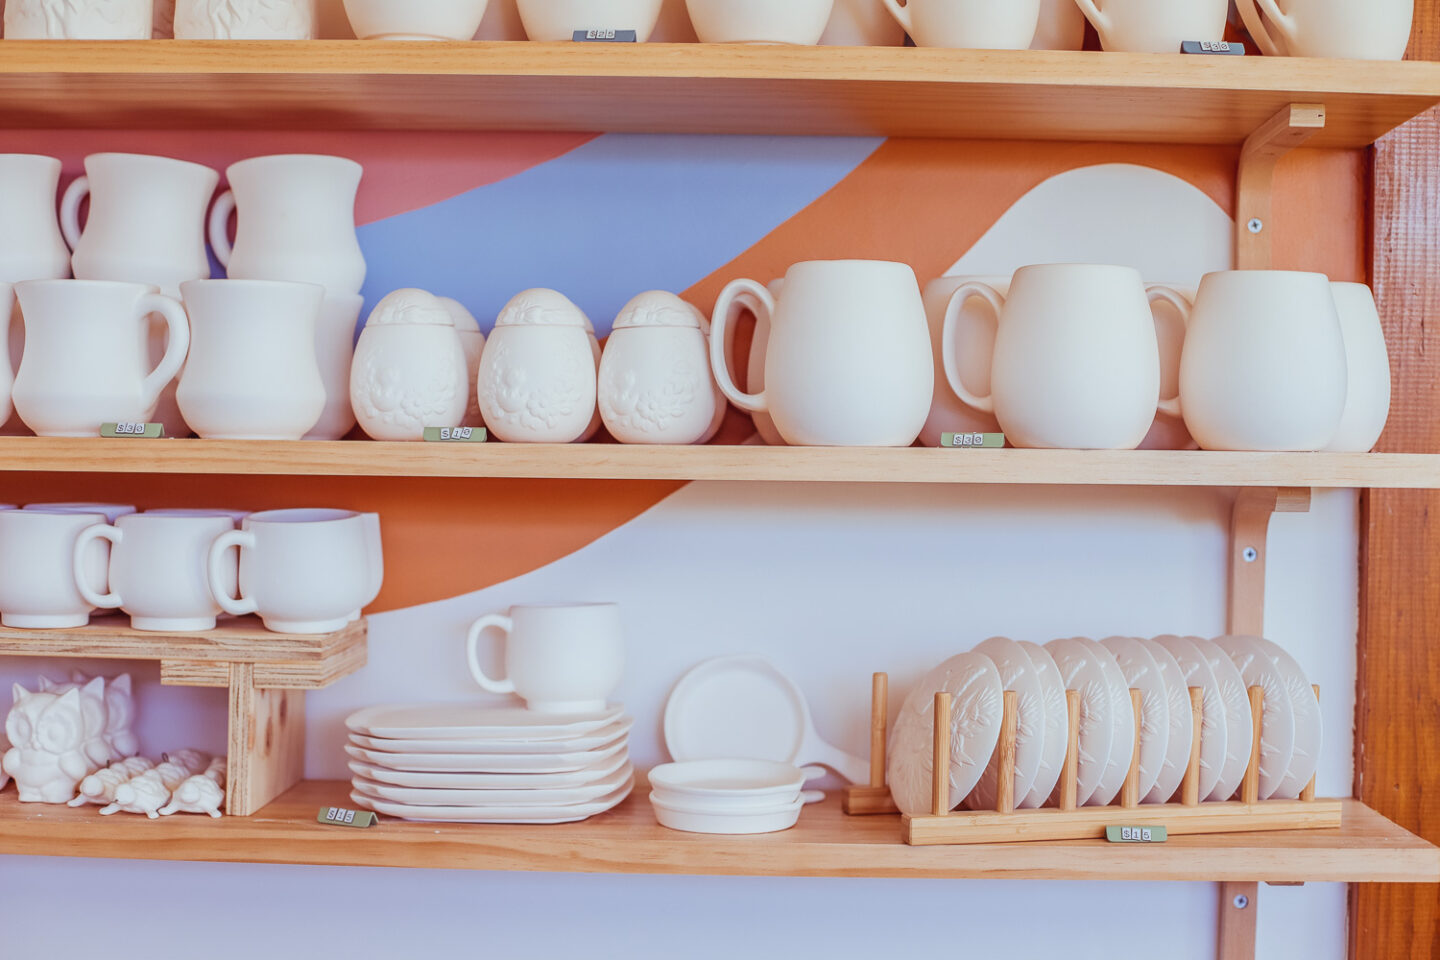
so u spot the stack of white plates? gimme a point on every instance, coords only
(730, 796)
(464, 763)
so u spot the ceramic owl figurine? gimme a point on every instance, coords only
(474, 343)
(96, 713)
(99, 787)
(47, 753)
(537, 375)
(409, 369)
(655, 382)
(145, 794)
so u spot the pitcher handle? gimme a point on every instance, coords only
(1097, 17)
(70, 210)
(1256, 25)
(506, 626)
(1284, 23)
(764, 303)
(177, 345)
(235, 606)
(220, 227)
(100, 531)
(958, 299)
(1158, 291)
(901, 15)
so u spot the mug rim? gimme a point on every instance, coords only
(120, 154)
(170, 517)
(73, 514)
(291, 516)
(1312, 274)
(351, 163)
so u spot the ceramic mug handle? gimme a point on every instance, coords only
(901, 15)
(1158, 291)
(235, 606)
(1284, 23)
(70, 210)
(958, 299)
(220, 227)
(1096, 16)
(100, 531)
(506, 626)
(177, 345)
(759, 301)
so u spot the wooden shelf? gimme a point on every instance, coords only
(606, 461)
(697, 88)
(1367, 848)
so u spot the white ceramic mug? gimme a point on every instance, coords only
(799, 22)
(252, 372)
(755, 366)
(863, 23)
(7, 367)
(146, 221)
(1155, 26)
(37, 553)
(31, 246)
(86, 358)
(244, 20)
(848, 362)
(1076, 362)
(974, 345)
(561, 658)
(969, 24)
(1367, 401)
(1338, 29)
(334, 349)
(295, 220)
(374, 562)
(78, 19)
(303, 571)
(559, 19)
(158, 569)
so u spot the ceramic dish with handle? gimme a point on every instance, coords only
(415, 19)
(519, 813)
(438, 797)
(707, 780)
(556, 20)
(470, 721)
(773, 820)
(490, 781)
(598, 740)
(727, 806)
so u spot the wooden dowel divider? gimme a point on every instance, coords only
(1070, 773)
(1130, 792)
(1250, 786)
(879, 718)
(940, 773)
(1308, 793)
(1190, 786)
(1005, 769)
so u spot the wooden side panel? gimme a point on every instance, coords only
(267, 742)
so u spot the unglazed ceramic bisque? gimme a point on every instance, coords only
(409, 368)
(31, 245)
(334, 351)
(559, 19)
(1156, 26)
(974, 346)
(864, 23)
(559, 658)
(969, 24)
(537, 381)
(38, 549)
(1340, 29)
(78, 19)
(472, 341)
(655, 384)
(1367, 400)
(799, 22)
(1062, 26)
(244, 20)
(415, 19)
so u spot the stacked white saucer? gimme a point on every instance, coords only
(465, 763)
(731, 796)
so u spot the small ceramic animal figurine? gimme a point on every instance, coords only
(474, 343)
(409, 369)
(47, 756)
(537, 376)
(99, 787)
(195, 761)
(655, 382)
(145, 794)
(218, 770)
(95, 711)
(173, 774)
(199, 794)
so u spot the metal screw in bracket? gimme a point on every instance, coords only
(1255, 225)
(1251, 555)
(1241, 901)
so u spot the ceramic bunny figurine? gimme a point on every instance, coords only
(537, 375)
(145, 794)
(409, 368)
(47, 756)
(100, 786)
(96, 714)
(202, 793)
(194, 761)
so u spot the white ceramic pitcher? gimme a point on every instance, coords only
(31, 246)
(1156, 26)
(848, 361)
(295, 220)
(1338, 29)
(86, 358)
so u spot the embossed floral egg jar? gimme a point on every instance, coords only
(537, 375)
(655, 383)
(409, 368)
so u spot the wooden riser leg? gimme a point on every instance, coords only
(1238, 911)
(267, 742)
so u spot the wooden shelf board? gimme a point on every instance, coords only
(242, 640)
(697, 88)
(598, 461)
(1367, 848)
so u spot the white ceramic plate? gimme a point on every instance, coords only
(1214, 729)
(1309, 729)
(1081, 671)
(709, 780)
(1239, 728)
(772, 820)
(1277, 725)
(1182, 726)
(1017, 673)
(1122, 725)
(1143, 673)
(490, 781)
(436, 797)
(482, 763)
(520, 813)
(1056, 736)
(597, 740)
(470, 721)
(975, 715)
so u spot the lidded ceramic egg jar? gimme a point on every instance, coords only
(537, 375)
(409, 368)
(655, 384)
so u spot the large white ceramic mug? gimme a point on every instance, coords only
(559, 19)
(158, 569)
(1156, 26)
(848, 362)
(969, 24)
(303, 571)
(560, 658)
(244, 20)
(1338, 29)
(83, 20)
(1367, 401)
(87, 358)
(800, 22)
(334, 349)
(31, 246)
(37, 553)
(1076, 362)
(252, 372)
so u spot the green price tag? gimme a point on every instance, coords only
(456, 434)
(340, 817)
(1135, 834)
(973, 441)
(132, 430)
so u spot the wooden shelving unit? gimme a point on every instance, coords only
(697, 88)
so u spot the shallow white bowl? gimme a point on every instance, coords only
(726, 806)
(559, 19)
(799, 22)
(709, 780)
(415, 19)
(768, 820)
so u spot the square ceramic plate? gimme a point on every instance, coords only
(557, 797)
(595, 740)
(520, 813)
(492, 781)
(487, 763)
(472, 721)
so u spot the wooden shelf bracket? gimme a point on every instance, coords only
(1285, 131)
(1249, 527)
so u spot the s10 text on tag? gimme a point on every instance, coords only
(1135, 834)
(973, 441)
(1221, 47)
(605, 36)
(132, 430)
(340, 817)
(456, 434)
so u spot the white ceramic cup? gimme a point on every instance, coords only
(559, 19)
(969, 24)
(244, 20)
(1156, 26)
(561, 658)
(799, 22)
(303, 571)
(37, 553)
(158, 569)
(334, 349)
(110, 511)
(415, 19)
(252, 372)
(1338, 29)
(31, 245)
(87, 360)
(69, 20)
(1367, 401)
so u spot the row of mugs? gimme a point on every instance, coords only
(303, 571)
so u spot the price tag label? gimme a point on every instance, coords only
(132, 430)
(456, 434)
(1210, 47)
(1135, 834)
(605, 36)
(973, 441)
(340, 817)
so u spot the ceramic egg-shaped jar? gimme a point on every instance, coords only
(409, 368)
(474, 343)
(594, 426)
(655, 383)
(537, 374)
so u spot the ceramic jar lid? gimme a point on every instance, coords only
(541, 307)
(410, 307)
(657, 308)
